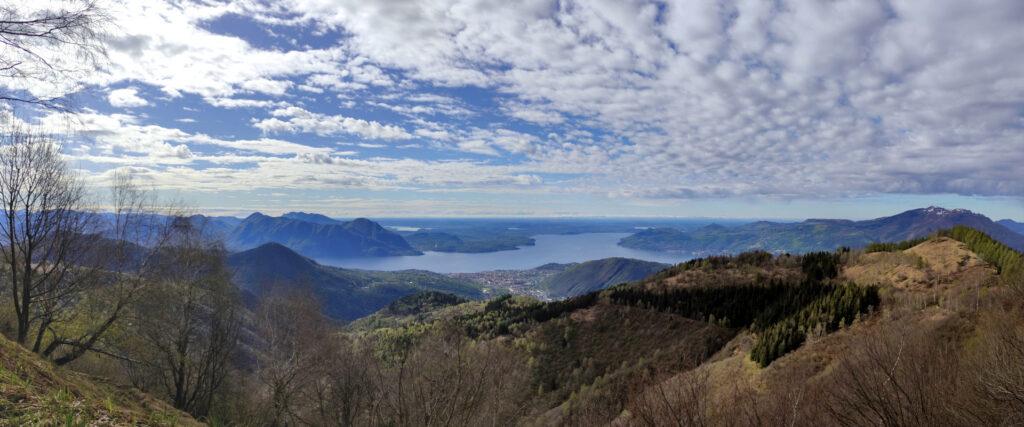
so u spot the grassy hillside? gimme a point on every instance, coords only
(34, 392)
(596, 275)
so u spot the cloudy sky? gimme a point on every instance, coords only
(785, 109)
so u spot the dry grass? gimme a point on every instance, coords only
(935, 262)
(34, 392)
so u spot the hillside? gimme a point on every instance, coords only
(817, 234)
(34, 392)
(762, 339)
(422, 307)
(923, 354)
(345, 294)
(316, 237)
(596, 275)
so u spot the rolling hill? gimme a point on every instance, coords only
(596, 275)
(817, 234)
(318, 236)
(345, 294)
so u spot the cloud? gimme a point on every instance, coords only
(297, 119)
(126, 98)
(794, 98)
(121, 139)
(632, 99)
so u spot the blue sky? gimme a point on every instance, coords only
(749, 109)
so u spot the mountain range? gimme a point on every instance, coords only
(820, 234)
(1016, 227)
(318, 236)
(345, 294)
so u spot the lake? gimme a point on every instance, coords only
(557, 248)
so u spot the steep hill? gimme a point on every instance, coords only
(346, 294)
(34, 392)
(596, 275)
(818, 234)
(318, 238)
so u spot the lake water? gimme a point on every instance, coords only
(549, 248)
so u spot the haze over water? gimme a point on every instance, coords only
(549, 248)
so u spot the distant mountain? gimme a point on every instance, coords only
(346, 294)
(817, 234)
(215, 226)
(311, 217)
(434, 241)
(318, 238)
(474, 241)
(595, 275)
(1016, 227)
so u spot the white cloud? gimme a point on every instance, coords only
(797, 98)
(126, 98)
(677, 99)
(297, 119)
(244, 103)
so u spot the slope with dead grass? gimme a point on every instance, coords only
(34, 392)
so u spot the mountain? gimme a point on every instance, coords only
(1016, 227)
(346, 294)
(468, 241)
(595, 275)
(215, 226)
(312, 236)
(311, 217)
(818, 234)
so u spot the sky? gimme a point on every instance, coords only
(388, 108)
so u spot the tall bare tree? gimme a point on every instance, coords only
(294, 355)
(128, 257)
(47, 48)
(44, 232)
(188, 324)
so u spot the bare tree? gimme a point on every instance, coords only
(681, 401)
(448, 379)
(188, 324)
(71, 273)
(997, 371)
(46, 49)
(45, 232)
(126, 258)
(898, 377)
(345, 391)
(293, 356)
